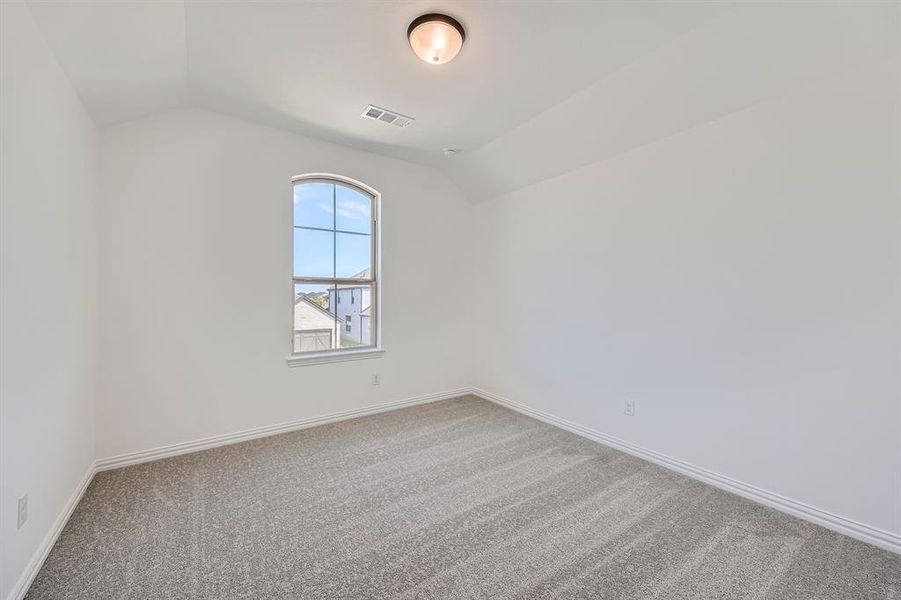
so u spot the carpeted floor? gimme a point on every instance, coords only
(455, 499)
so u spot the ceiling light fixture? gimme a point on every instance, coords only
(436, 38)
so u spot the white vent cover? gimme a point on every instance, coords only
(386, 116)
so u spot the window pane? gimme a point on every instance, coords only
(354, 210)
(354, 256)
(315, 328)
(314, 205)
(314, 253)
(354, 310)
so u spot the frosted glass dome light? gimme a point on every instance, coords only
(436, 38)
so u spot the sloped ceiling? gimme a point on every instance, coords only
(125, 59)
(540, 87)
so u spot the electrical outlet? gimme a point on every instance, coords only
(23, 511)
(376, 379)
(629, 408)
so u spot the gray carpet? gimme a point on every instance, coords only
(455, 499)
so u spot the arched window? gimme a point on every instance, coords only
(336, 274)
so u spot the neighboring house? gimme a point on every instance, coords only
(314, 327)
(352, 306)
(365, 320)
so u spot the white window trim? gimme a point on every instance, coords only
(345, 354)
(318, 358)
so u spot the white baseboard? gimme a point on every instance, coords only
(133, 458)
(21, 587)
(865, 533)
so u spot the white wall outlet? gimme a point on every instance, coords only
(629, 408)
(23, 511)
(376, 379)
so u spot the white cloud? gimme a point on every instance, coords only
(350, 209)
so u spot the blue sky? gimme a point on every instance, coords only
(331, 253)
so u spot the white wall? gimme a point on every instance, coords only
(196, 281)
(739, 280)
(47, 292)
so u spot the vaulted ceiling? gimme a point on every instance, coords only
(540, 87)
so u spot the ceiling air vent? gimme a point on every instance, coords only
(386, 116)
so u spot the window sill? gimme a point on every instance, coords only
(318, 358)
